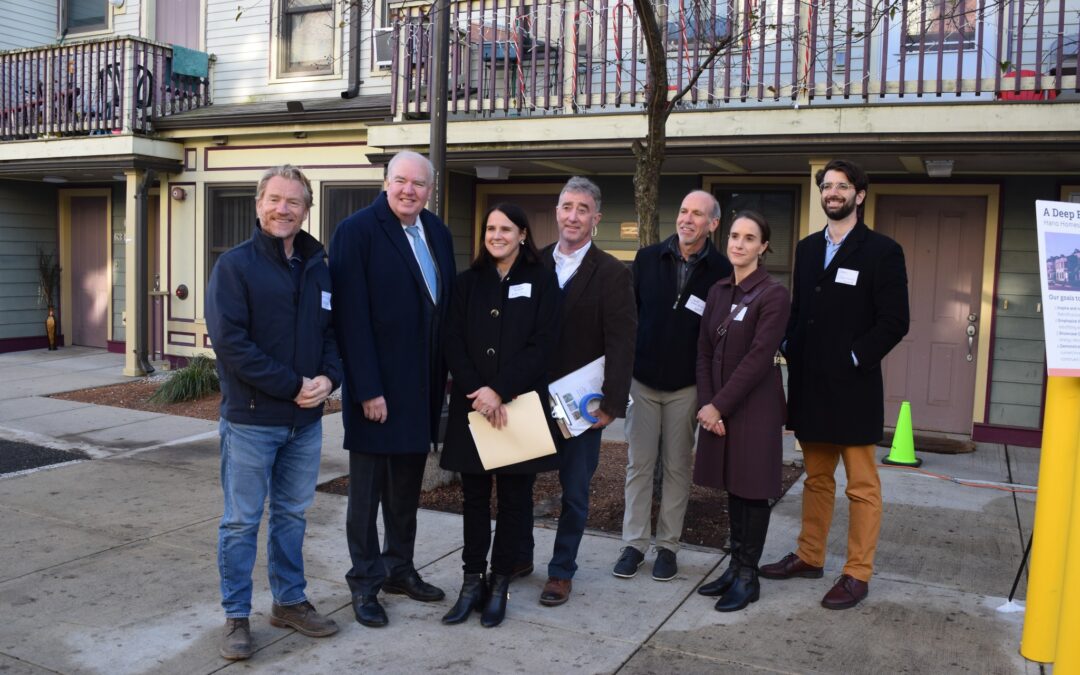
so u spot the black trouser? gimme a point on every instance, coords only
(394, 481)
(513, 516)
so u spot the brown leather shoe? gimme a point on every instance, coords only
(790, 566)
(556, 592)
(302, 617)
(845, 593)
(521, 570)
(236, 640)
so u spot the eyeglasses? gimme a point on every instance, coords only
(842, 187)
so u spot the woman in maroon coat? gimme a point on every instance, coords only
(742, 403)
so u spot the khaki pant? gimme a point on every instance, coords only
(864, 505)
(659, 423)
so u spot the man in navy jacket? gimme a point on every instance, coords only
(671, 281)
(268, 314)
(393, 264)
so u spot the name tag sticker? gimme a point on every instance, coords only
(696, 305)
(520, 291)
(741, 315)
(325, 300)
(846, 276)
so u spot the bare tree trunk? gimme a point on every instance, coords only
(650, 152)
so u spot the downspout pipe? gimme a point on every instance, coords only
(142, 271)
(354, 52)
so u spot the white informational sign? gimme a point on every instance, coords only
(1058, 225)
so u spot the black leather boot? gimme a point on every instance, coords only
(495, 608)
(719, 586)
(754, 519)
(472, 596)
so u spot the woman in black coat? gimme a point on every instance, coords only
(742, 403)
(502, 328)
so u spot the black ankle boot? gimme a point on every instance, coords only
(495, 609)
(735, 530)
(741, 593)
(472, 596)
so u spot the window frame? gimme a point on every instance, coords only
(773, 263)
(63, 12)
(950, 25)
(213, 191)
(279, 43)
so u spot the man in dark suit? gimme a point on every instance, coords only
(599, 319)
(849, 309)
(393, 266)
(671, 281)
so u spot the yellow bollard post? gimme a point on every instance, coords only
(1053, 510)
(1068, 649)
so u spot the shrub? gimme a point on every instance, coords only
(197, 379)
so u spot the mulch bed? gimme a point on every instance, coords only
(706, 521)
(136, 396)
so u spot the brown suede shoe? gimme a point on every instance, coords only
(303, 618)
(845, 593)
(790, 566)
(236, 640)
(556, 592)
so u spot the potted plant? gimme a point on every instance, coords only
(49, 286)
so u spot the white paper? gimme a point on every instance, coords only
(1058, 227)
(326, 300)
(520, 291)
(846, 276)
(696, 305)
(568, 391)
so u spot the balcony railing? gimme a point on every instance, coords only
(528, 57)
(93, 87)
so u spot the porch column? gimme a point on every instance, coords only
(132, 243)
(817, 219)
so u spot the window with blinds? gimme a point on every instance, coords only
(230, 216)
(341, 200)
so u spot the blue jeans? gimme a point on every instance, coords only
(257, 461)
(580, 457)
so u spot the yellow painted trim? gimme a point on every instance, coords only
(992, 193)
(273, 131)
(65, 196)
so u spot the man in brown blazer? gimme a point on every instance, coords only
(599, 319)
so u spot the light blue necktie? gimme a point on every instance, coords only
(423, 256)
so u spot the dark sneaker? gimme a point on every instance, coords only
(665, 568)
(628, 563)
(303, 618)
(236, 640)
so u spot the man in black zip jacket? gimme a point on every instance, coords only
(671, 281)
(268, 314)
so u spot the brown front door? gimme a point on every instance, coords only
(934, 366)
(89, 271)
(540, 208)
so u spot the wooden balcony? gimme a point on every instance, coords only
(93, 87)
(543, 57)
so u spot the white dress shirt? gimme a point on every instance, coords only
(566, 265)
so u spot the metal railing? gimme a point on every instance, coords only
(528, 57)
(92, 87)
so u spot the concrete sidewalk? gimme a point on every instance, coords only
(109, 566)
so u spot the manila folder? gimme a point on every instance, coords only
(526, 435)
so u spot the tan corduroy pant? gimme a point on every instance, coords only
(864, 505)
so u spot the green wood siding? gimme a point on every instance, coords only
(1018, 369)
(461, 209)
(27, 224)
